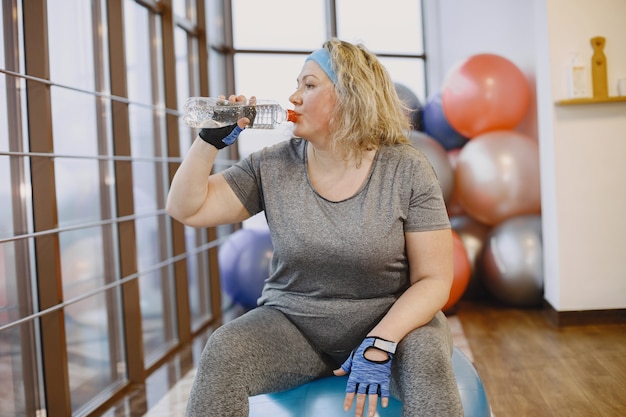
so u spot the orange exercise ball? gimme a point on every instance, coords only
(497, 176)
(438, 158)
(483, 93)
(462, 272)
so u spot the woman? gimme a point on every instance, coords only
(362, 260)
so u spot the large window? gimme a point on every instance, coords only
(20, 365)
(97, 284)
(86, 232)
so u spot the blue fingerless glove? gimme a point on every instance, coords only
(366, 376)
(221, 137)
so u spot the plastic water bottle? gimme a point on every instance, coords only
(210, 112)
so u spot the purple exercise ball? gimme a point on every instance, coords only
(436, 125)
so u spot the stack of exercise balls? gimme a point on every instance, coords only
(493, 198)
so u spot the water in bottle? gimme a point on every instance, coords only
(210, 112)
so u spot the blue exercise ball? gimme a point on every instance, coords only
(324, 397)
(470, 386)
(244, 260)
(436, 125)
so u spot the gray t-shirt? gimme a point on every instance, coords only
(338, 266)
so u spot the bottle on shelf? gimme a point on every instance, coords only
(577, 78)
(210, 112)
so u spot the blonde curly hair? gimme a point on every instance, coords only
(369, 113)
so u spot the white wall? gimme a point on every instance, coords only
(588, 168)
(583, 148)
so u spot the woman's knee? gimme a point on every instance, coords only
(434, 336)
(223, 346)
(425, 352)
(234, 343)
(423, 377)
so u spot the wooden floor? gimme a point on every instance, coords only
(531, 368)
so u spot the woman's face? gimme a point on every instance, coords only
(314, 102)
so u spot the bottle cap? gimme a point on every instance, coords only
(292, 116)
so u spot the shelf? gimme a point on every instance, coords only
(591, 100)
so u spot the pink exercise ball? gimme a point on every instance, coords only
(438, 158)
(452, 205)
(485, 92)
(497, 176)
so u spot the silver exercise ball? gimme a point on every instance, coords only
(512, 261)
(438, 158)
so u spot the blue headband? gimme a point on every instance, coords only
(322, 57)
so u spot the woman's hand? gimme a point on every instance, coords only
(220, 137)
(370, 374)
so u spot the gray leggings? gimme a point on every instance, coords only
(263, 351)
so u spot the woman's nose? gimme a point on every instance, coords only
(295, 98)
